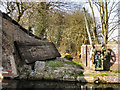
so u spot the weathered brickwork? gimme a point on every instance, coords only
(25, 47)
(112, 63)
(0, 41)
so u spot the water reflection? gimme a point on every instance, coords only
(57, 84)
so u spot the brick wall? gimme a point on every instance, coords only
(112, 61)
(18, 43)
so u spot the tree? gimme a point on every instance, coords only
(94, 24)
(65, 29)
(56, 26)
(16, 9)
(104, 20)
(105, 8)
(74, 33)
(42, 19)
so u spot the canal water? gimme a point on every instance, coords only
(42, 84)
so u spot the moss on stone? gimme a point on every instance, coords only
(57, 63)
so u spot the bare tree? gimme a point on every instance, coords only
(94, 24)
(105, 13)
(16, 9)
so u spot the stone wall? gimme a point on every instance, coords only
(112, 63)
(31, 52)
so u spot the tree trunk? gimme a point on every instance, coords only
(104, 20)
(94, 24)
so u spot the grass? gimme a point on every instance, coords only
(115, 71)
(76, 74)
(77, 62)
(100, 75)
(56, 63)
(104, 71)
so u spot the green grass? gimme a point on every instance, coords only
(104, 71)
(76, 74)
(57, 63)
(100, 75)
(115, 71)
(54, 64)
(77, 62)
(71, 74)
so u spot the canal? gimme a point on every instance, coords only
(16, 84)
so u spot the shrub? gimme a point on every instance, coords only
(68, 56)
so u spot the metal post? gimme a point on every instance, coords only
(86, 55)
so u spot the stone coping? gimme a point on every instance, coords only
(85, 79)
(99, 79)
